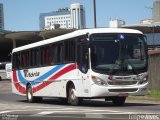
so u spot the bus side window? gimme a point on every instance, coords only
(37, 57)
(27, 58)
(66, 50)
(30, 58)
(18, 60)
(14, 61)
(47, 55)
(72, 51)
(42, 56)
(22, 59)
(69, 51)
(82, 54)
(60, 53)
(53, 50)
(33, 58)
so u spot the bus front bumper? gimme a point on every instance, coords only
(104, 91)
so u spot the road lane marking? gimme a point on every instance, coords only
(2, 112)
(2, 104)
(44, 113)
(94, 116)
(121, 113)
(102, 110)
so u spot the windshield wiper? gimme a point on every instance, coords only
(113, 70)
(131, 65)
(123, 65)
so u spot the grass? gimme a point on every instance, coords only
(153, 95)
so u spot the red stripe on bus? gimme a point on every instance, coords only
(57, 75)
(22, 89)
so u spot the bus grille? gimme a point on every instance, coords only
(123, 90)
(122, 83)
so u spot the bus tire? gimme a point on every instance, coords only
(29, 94)
(72, 98)
(118, 101)
(30, 97)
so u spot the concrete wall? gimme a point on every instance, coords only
(154, 71)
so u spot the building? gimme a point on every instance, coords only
(78, 16)
(150, 27)
(63, 18)
(1, 18)
(115, 23)
(156, 11)
(146, 21)
(55, 19)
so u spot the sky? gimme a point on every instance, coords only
(23, 15)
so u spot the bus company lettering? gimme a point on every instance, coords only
(31, 74)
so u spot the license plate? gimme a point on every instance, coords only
(123, 94)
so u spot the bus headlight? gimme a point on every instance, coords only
(144, 79)
(99, 81)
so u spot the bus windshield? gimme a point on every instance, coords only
(113, 53)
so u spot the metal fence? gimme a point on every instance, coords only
(154, 71)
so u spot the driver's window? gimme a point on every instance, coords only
(82, 57)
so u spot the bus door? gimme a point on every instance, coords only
(83, 64)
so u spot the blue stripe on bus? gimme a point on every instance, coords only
(41, 78)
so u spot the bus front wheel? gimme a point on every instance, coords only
(30, 97)
(72, 98)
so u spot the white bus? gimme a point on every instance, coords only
(109, 63)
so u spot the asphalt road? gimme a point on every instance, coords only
(15, 107)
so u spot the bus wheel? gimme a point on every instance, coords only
(30, 97)
(72, 98)
(118, 101)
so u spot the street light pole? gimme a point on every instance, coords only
(95, 21)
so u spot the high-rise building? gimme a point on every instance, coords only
(78, 16)
(1, 18)
(156, 11)
(64, 18)
(52, 20)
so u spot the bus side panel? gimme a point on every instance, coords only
(57, 88)
(45, 81)
(51, 81)
(83, 85)
(39, 78)
(16, 87)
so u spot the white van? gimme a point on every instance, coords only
(8, 69)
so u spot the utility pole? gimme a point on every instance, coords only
(95, 21)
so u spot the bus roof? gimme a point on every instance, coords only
(76, 34)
